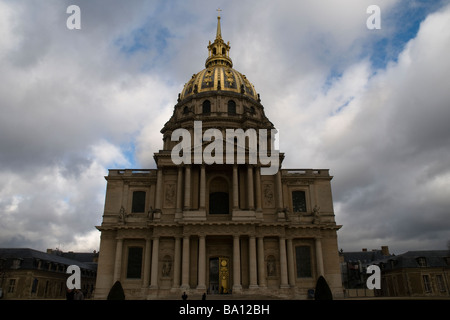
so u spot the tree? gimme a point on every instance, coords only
(116, 292)
(323, 291)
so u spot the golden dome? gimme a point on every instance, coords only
(219, 78)
(219, 74)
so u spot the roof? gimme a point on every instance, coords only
(364, 256)
(30, 256)
(412, 259)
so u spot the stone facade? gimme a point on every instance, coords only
(218, 228)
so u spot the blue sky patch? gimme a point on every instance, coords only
(398, 26)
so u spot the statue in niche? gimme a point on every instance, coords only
(271, 267)
(122, 215)
(316, 215)
(167, 266)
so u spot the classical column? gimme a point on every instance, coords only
(185, 264)
(147, 261)
(177, 263)
(236, 264)
(201, 263)
(235, 188)
(159, 187)
(258, 189)
(180, 189)
(283, 264)
(251, 201)
(319, 259)
(202, 187)
(279, 191)
(290, 261)
(252, 262)
(118, 260)
(155, 258)
(187, 188)
(261, 267)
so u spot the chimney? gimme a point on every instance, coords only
(364, 249)
(385, 250)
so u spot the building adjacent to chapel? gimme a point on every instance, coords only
(217, 228)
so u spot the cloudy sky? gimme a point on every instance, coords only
(373, 106)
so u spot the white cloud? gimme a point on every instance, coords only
(74, 105)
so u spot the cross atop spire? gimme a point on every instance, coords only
(219, 31)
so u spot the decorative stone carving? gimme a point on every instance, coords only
(169, 196)
(268, 199)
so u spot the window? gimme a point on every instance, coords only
(138, 201)
(34, 285)
(206, 107)
(185, 110)
(426, 283)
(298, 201)
(134, 262)
(231, 107)
(218, 196)
(218, 203)
(422, 261)
(12, 285)
(303, 259)
(440, 283)
(16, 264)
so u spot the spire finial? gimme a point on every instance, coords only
(219, 31)
(219, 50)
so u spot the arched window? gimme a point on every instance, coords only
(186, 110)
(206, 108)
(138, 201)
(231, 107)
